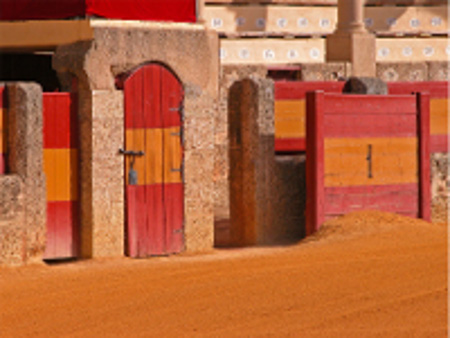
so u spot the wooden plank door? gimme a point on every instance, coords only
(61, 170)
(153, 181)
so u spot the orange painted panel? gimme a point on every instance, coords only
(135, 140)
(394, 161)
(61, 170)
(290, 119)
(154, 156)
(149, 167)
(172, 155)
(439, 116)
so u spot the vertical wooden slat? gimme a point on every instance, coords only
(314, 161)
(173, 154)
(423, 108)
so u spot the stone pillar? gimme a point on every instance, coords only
(251, 162)
(200, 11)
(351, 42)
(23, 190)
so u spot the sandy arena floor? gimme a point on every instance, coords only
(368, 274)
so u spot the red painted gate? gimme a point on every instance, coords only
(61, 170)
(366, 152)
(153, 166)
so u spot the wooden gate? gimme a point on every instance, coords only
(61, 170)
(153, 166)
(366, 152)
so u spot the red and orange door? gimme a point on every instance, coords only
(153, 177)
(61, 169)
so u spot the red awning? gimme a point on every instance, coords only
(154, 10)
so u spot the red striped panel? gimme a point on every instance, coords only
(60, 125)
(155, 222)
(62, 229)
(173, 210)
(60, 132)
(439, 143)
(436, 89)
(295, 90)
(143, 98)
(423, 107)
(315, 167)
(342, 104)
(390, 198)
(136, 219)
(290, 144)
(370, 125)
(171, 104)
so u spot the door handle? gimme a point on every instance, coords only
(131, 152)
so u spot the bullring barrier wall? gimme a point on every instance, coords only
(366, 152)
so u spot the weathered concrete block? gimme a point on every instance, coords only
(438, 71)
(330, 71)
(402, 71)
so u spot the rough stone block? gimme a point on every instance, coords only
(365, 85)
(330, 71)
(402, 71)
(438, 71)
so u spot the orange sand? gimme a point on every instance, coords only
(368, 274)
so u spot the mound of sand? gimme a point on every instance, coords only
(368, 223)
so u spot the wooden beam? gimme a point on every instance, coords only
(42, 34)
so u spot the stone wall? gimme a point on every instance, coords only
(386, 71)
(23, 189)
(439, 187)
(118, 48)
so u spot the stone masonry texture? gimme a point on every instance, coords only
(118, 48)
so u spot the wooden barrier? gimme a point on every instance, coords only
(366, 152)
(3, 149)
(61, 169)
(290, 111)
(439, 109)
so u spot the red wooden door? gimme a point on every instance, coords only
(61, 170)
(153, 181)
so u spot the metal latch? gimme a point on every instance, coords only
(132, 174)
(369, 161)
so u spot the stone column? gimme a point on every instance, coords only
(351, 42)
(200, 11)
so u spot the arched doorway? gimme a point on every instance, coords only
(154, 160)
